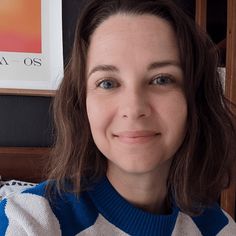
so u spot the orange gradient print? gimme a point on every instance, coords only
(20, 26)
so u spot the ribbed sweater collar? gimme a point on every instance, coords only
(125, 216)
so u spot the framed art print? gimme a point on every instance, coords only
(31, 48)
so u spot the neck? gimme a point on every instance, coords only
(146, 191)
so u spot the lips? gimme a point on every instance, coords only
(136, 136)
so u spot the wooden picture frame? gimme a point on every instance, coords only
(35, 65)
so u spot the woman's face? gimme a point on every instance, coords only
(135, 101)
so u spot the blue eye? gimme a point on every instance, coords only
(162, 80)
(107, 84)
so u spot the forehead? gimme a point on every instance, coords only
(121, 21)
(132, 37)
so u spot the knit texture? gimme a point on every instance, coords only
(101, 211)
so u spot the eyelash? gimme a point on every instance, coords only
(115, 84)
(111, 81)
(170, 79)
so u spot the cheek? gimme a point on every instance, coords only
(174, 114)
(99, 114)
(93, 112)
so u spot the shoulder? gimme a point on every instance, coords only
(213, 221)
(230, 228)
(28, 214)
(32, 213)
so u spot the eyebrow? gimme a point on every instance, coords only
(152, 66)
(108, 68)
(156, 65)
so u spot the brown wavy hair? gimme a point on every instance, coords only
(201, 167)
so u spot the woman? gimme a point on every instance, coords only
(143, 131)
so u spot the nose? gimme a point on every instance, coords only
(135, 105)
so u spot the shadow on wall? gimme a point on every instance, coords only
(25, 121)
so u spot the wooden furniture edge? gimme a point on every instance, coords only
(229, 195)
(201, 13)
(23, 163)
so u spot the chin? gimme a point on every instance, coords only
(141, 168)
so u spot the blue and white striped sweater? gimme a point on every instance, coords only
(101, 211)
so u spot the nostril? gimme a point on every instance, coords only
(142, 115)
(135, 111)
(137, 115)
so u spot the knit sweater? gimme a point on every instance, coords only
(101, 211)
